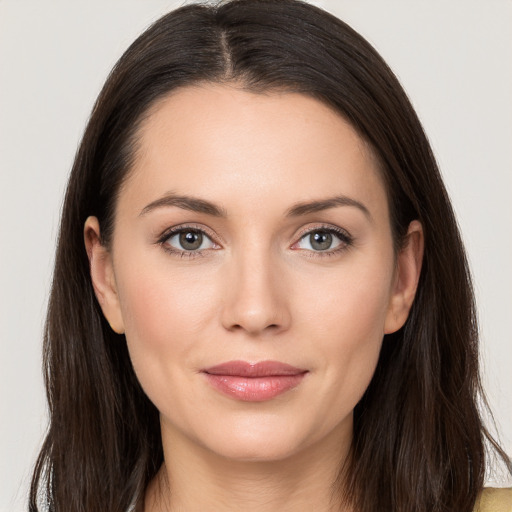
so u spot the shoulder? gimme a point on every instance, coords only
(494, 500)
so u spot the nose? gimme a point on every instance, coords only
(256, 301)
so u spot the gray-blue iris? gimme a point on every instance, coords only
(191, 240)
(320, 240)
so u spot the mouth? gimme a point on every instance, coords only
(256, 382)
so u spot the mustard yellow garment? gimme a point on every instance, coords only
(494, 500)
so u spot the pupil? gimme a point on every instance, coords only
(191, 240)
(321, 240)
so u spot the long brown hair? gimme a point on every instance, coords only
(419, 441)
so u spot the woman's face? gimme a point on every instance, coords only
(253, 228)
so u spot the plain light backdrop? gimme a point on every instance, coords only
(454, 58)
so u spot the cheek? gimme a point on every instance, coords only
(348, 303)
(347, 321)
(165, 314)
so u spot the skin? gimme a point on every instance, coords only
(259, 290)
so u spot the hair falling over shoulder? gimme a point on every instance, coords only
(419, 439)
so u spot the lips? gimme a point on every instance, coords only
(254, 382)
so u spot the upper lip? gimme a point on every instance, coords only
(261, 369)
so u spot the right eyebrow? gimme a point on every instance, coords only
(193, 204)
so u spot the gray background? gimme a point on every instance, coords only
(453, 57)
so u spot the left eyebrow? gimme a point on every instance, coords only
(304, 208)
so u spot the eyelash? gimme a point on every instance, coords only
(345, 238)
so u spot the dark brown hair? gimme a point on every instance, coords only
(419, 441)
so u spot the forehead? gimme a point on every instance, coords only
(224, 143)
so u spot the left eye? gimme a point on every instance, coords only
(189, 240)
(320, 240)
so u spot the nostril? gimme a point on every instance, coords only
(254, 328)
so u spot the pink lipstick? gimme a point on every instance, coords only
(254, 382)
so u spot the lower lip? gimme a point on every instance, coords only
(254, 389)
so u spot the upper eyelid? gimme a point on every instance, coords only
(327, 227)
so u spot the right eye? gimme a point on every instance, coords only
(189, 240)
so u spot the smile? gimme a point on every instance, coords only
(254, 382)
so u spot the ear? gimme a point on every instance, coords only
(102, 275)
(407, 274)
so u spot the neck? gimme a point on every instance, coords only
(195, 479)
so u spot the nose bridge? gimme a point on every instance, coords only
(254, 302)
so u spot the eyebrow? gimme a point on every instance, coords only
(195, 204)
(186, 203)
(307, 207)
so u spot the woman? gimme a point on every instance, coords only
(272, 309)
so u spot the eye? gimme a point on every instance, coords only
(188, 240)
(324, 240)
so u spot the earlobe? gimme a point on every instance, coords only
(102, 275)
(408, 269)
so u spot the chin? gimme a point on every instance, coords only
(243, 450)
(258, 440)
